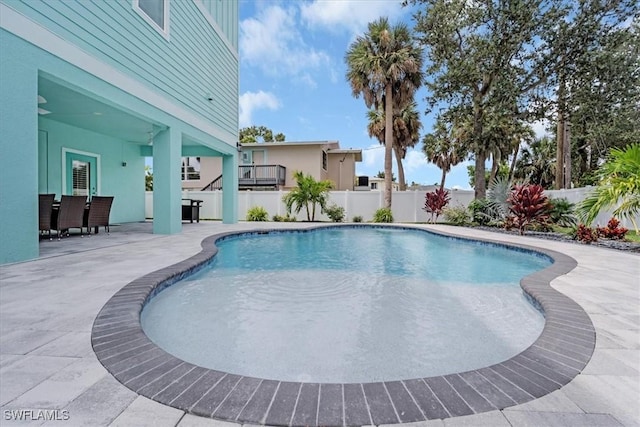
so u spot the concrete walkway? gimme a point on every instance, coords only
(47, 308)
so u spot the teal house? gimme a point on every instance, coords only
(90, 89)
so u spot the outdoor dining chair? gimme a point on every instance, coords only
(45, 211)
(98, 214)
(70, 214)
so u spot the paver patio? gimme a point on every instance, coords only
(47, 308)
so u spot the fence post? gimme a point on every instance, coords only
(346, 204)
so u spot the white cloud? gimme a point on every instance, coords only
(350, 15)
(250, 101)
(272, 42)
(414, 159)
(373, 156)
(539, 128)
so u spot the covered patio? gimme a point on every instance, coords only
(88, 132)
(47, 312)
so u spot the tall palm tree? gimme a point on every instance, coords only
(383, 58)
(443, 147)
(406, 133)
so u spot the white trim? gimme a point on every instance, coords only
(32, 32)
(216, 27)
(163, 31)
(66, 151)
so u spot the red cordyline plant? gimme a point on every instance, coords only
(528, 205)
(612, 230)
(435, 201)
(586, 234)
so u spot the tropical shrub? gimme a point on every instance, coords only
(435, 201)
(585, 234)
(612, 230)
(335, 213)
(357, 218)
(456, 215)
(528, 206)
(562, 212)
(498, 198)
(308, 193)
(257, 213)
(619, 185)
(283, 218)
(383, 215)
(480, 211)
(494, 209)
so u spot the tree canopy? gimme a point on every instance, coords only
(500, 63)
(254, 134)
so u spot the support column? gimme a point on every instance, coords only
(19, 147)
(230, 189)
(167, 189)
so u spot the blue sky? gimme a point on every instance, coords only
(292, 77)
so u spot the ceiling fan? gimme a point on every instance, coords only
(42, 111)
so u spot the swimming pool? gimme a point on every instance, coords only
(349, 305)
(561, 352)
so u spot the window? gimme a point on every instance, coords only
(80, 178)
(324, 160)
(155, 11)
(374, 185)
(190, 168)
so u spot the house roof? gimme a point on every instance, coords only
(289, 143)
(356, 151)
(333, 149)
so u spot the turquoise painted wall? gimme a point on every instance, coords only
(18, 154)
(185, 71)
(126, 184)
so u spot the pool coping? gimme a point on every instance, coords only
(559, 354)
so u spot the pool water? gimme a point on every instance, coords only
(349, 305)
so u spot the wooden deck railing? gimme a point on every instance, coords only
(254, 176)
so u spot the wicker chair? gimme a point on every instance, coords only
(98, 214)
(45, 211)
(70, 214)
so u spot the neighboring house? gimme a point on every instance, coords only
(377, 184)
(89, 88)
(270, 165)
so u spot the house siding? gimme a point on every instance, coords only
(187, 73)
(226, 15)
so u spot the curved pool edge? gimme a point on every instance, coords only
(559, 354)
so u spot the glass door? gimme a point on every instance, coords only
(82, 174)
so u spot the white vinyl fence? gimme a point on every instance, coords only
(407, 205)
(576, 195)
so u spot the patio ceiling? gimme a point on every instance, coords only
(74, 108)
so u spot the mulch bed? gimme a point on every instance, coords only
(619, 245)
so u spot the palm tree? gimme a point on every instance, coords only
(308, 194)
(383, 59)
(619, 186)
(406, 133)
(443, 147)
(536, 164)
